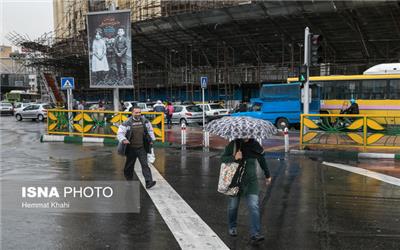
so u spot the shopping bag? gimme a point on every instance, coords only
(226, 174)
(151, 157)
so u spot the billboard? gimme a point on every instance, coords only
(110, 54)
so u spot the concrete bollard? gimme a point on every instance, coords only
(183, 134)
(206, 140)
(286, 137)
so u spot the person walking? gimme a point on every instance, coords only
(138, 136)
(247, 152)
(75, 105)
(81, 105)
(159, 107)
(169, 110)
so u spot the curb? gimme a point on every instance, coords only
(81, 140)
(77, 139)
(346, 154)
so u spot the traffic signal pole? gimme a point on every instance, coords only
(306, 104)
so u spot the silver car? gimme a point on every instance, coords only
(187, 114)
(18, 106)
(34, 111)
(6, 108)
(142, 105)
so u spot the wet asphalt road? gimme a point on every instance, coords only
(307, 206)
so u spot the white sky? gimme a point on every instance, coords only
(31, 17)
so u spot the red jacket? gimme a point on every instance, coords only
(170, 109)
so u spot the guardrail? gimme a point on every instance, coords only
(96, 123)
(362, 131)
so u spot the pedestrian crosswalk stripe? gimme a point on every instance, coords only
(378, 176)
(189, 230)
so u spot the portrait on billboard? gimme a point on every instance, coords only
(110, 53)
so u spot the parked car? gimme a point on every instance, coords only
(187, 114)
(150, 105)
(214, 110)
(90, 105)
(142, 105)
(18, 106)
(6, 108)
(96, 106)
(36, 111)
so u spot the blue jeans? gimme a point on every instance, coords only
(252, 205)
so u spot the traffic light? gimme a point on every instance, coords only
(303, 74)
(316, 49)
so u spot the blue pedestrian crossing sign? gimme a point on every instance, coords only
(67, 83)
(204, 81)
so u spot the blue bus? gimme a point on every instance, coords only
(281, 103)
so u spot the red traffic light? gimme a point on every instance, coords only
(316, 49)
(316, 39)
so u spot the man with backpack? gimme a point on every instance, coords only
(135, 138)
(159, 107)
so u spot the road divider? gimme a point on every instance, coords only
(77, 139)
(346, 154)
(81, 140)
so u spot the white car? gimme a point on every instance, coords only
(6, 108)
(214, 110)
(143, 106)
(36, 111)
(187, 114)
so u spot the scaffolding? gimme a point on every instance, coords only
(237, 44)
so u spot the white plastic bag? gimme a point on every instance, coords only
(151, 157)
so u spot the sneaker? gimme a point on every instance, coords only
(150, 184)
(256, 239)
(233, 232)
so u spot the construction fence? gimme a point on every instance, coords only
(102, 124)
(360, 131)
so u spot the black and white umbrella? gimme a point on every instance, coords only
(235, 127)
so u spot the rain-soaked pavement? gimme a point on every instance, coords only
(308, 205)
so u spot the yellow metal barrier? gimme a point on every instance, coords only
(97, 123)
(364, 131)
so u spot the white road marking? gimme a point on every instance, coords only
(189, 230)
(382, 177)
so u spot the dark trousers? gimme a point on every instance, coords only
(121, 63)
(169, 121)
(132, 154)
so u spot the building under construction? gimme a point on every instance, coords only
(238, 44)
